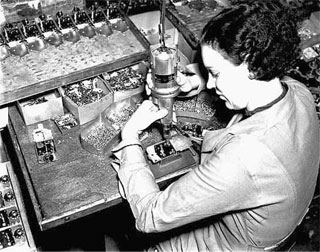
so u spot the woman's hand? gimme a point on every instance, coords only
(190, 81)
(145, 115)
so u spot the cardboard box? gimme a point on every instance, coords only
(88, 112)
(120, 95)
(99, 136)
(41, 107)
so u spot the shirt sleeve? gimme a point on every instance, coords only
(218, 185)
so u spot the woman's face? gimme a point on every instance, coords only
(229, 80)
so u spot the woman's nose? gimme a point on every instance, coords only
(211, 83)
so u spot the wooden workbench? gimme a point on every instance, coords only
(78, 183)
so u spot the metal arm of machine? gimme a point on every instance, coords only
(164, 62)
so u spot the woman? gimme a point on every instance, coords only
(257, 177)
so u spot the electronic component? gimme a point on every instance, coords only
(172, 154)
(33, 35)
(97, 15)
(66, 122)
(80, 16)
(85, 92)
(160, 151)
(100, 21)
(111, 10)
(30, 29)
(47, 24)
(44, 144)
(67, 27)
(125, 79)
(83, 23)
(64, 21)
(191, 129)
(12, 33)
(15, 40)
(163, 150)
(15, 232)
(50, 31)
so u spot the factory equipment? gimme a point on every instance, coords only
(176, 150)
(164, 62)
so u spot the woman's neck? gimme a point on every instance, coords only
(263, 93)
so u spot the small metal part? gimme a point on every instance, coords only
(8, 196)
(18, 233)
(14, 214)
(5, 179)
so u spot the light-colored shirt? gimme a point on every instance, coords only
(253, 185)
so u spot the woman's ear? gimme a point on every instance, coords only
(251, 76)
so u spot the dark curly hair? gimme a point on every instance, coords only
(261, 33)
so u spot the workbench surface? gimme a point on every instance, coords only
(77, 183)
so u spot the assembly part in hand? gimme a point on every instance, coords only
(145, 115)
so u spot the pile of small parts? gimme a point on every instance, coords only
(99, 136)
(65, 122)
(124, 79)
(194, 105)
(84, 92)
(120, 119)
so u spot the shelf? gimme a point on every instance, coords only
(53, 67)
(191, 25)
